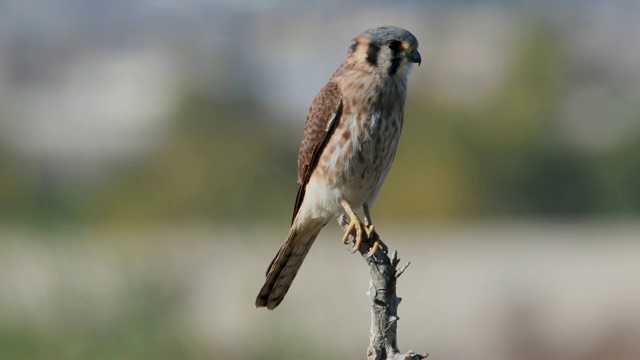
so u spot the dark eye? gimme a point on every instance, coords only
(395, 45)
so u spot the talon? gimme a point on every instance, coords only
(359, 235)
(345, 237)
(355, 225)
(377, 243)
(372, 235)
(374, 248)
(355, 229)
(370, 230)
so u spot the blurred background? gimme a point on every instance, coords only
(148, 172)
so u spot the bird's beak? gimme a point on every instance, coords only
(415, 57)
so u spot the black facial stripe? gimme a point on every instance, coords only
(353, 46)
(395, 64)
(372, 54)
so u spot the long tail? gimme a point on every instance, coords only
(285, 265)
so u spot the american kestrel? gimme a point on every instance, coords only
(349, 142)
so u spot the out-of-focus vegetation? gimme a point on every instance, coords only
(489, 290)
(222, 162)
(506, 157)
(225, 161)
(148, 170)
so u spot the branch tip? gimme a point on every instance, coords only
(394, 256)
(402, 269)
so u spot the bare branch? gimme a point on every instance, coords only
(384, 306)
(402, 269)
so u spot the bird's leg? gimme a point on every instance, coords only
(368, 224)
(355, 225)
(372, 235)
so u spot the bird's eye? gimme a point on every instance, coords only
(395, 45)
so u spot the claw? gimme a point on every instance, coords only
(357, 230)
(355, 227)
(375, 239)
(347, 233)
(370, 230)
(372, 235)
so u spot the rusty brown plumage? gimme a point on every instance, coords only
(349, 142)
(322, 119)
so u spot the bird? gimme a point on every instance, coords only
(349, 142)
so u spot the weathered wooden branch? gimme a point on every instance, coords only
(384, 306)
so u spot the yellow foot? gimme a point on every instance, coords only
(373, 236)
(370, 230)
(357, 229)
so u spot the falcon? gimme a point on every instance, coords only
(350, 139)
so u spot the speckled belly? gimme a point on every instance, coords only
(357, 159)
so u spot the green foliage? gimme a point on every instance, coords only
(506, 159)
(219, 163)
(230, 162)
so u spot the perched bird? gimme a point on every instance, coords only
(349, 142)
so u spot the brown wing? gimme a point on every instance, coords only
(323, 117)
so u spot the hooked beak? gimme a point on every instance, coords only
(415, 58)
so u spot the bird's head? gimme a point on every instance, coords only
(389, 50)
